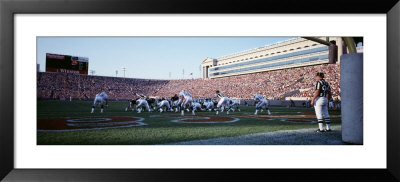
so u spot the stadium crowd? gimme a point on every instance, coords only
(272, 84)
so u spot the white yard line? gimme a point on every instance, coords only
(283, 137)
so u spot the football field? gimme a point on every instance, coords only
(71, 123)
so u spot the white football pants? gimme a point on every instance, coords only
(321, 109)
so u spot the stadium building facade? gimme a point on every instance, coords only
(291, 53)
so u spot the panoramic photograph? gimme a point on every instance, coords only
(198, 91)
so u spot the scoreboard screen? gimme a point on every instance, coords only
(66, 64)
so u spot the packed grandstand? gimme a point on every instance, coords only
(292, 82)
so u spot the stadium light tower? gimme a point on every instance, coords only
(116, 73)
(123, 69)
(199, 71)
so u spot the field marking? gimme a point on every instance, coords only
(137, 122)
(289, 120)
(180, 120)
(100, 124)
(155, 116)
(80, 120)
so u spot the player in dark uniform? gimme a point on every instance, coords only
(320, 101)
(131, 104)
(141, 96)
(176, 102)
(175, 97)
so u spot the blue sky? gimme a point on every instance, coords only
(147, 57)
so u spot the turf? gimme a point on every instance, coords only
(159, 129)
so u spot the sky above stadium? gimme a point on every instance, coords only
(148, 57)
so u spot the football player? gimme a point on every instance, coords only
(162, 103)
(186, 101)
(140, 103)
(233, 103)
(196, 106)
(208, 105)
(176, 102)
(131, 104)
(261, 103)
(222, 103)
(100, 99)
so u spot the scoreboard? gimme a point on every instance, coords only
(66, 64)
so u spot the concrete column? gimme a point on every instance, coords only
(207, 71)
(351, 85)
(339, 43)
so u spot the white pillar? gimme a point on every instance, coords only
(351, 85)
(340, 48)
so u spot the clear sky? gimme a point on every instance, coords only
(147, 57)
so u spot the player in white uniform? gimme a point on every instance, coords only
(186, 100)
(233, 103)
(163, 103)
(261, 103)
(222, 103)
(209, 105)
(196, 106)
(320, 101)
(100, 99)
(142, 102)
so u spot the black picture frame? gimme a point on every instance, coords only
(8, 8)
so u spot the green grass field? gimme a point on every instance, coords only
(160, 129)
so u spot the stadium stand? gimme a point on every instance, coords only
(293, 82)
